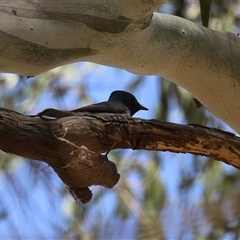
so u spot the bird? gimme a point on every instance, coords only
(119, 102)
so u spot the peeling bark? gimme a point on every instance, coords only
(74, 146)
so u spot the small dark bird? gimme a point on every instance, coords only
(119, 102)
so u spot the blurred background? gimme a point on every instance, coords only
(159, 195)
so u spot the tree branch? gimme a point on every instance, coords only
(72, 146)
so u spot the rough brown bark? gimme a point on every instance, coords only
(73, 146)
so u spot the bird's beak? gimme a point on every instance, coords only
(143, 108)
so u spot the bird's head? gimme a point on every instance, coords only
(128, 100)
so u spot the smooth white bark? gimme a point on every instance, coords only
(36, 36)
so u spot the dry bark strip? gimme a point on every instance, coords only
(74, 146)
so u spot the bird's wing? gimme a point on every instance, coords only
(104, 107)
(54, 113)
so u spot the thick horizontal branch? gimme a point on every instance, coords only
(72, 146)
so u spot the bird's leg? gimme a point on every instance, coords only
(110, 149)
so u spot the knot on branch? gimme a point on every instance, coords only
(85, 169)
